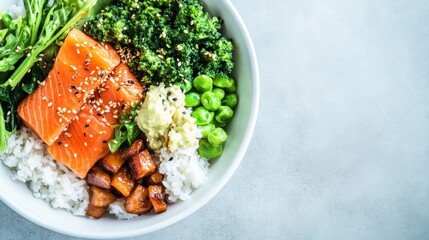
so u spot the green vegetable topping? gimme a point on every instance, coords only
(3, 135)
(217, 137)
(233, 87)
(192, 99)
(164, 40)
(219, 92)
(185, 85)
(210, 101)
(224, 114)
(203, 83)
(230, 100)
(223, 81)
(206, 129)
(209, 151)
(127, 130)
(202, 116)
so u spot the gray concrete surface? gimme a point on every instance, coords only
(342, 135)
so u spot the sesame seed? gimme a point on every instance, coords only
(75, 155)
(50, 104)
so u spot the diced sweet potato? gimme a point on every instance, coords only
(156, 196)
(113, 162)
(154, 179)
(138, 201)
(142, 165)
(98, 177)
(135, 148)
(123, 182)
(95, 212)
(101, 197)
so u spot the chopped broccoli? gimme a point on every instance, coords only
(170, 40)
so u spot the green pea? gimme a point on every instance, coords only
(224, 114)
(206, 129)
(233, 87)
(202, 116)
(223, 81)
(219, 92)
(230, 100)
(186, 85)
(203, 83)
(192, 99)
(210, 101)
(207, 150)
(217, 137)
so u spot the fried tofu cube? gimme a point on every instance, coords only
(138, 201)
(101, 197)
(113, 162)
(95, 212)
(135, 148)
(154, 179)
(156, 197)
(142, 165)
(98, 177)
(123, 182)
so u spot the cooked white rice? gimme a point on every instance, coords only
(30, 162)
(27, 157)
(184, 170)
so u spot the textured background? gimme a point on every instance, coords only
(340, 149)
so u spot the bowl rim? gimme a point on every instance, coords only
(216, 188)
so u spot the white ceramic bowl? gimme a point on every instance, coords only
(17, 196)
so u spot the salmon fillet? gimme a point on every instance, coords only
(85, 141)
(81, 65)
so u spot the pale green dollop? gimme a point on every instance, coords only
(164, 120)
